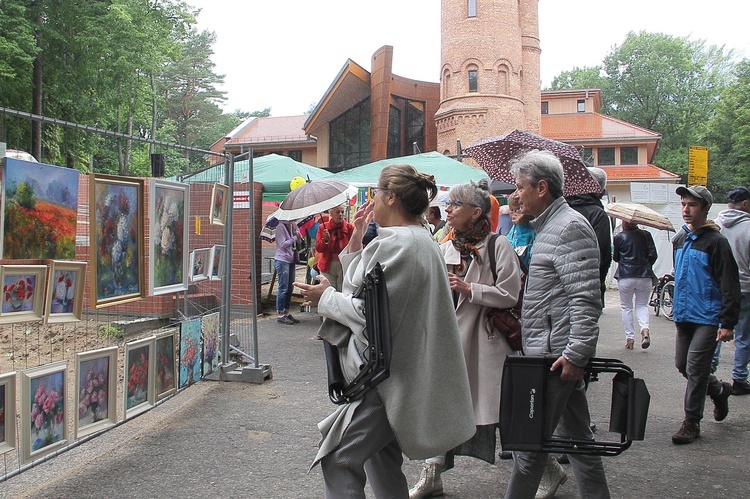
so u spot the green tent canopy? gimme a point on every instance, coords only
(273, 171)
(447, 171)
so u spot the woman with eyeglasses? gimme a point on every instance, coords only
(424, 407)
(475, 292)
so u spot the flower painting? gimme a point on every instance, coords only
(116, 239)
(190, 352)
(23, 292)
(40, 205)
(43, 412)
(219, 197)
(216, 259)
(169, 208)
(96, 378)
(166, 372)
(199, 260)
(210, 327)
(65, 291)
(139, 368)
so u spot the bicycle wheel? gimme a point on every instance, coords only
(654, 300)
(667, 295)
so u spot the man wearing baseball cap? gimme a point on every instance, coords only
(735, 226)
(706, 307)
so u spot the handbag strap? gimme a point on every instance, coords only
(493, 261)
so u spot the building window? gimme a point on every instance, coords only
(394, 132)
(405, 127)
(629, 155)
(471, 8)
(605, 156)
(581, 106)
(545, 107)
(296, 155)
(414, 121)
(587, 154)
(349, 141)
(473, 80)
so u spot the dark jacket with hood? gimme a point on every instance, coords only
(707, 283)
(590, 206)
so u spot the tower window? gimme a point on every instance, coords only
(471, 8)
(545, 107)
(581, 106)
(473, 80)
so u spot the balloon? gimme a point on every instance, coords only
(296, 182)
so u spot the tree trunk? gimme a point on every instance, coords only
(36, 98)
(154, 104)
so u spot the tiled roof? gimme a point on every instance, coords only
(638, 173)
(277, 129)
(591, 126)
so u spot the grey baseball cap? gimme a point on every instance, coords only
(697, 191)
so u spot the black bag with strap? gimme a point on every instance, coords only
(507, 321)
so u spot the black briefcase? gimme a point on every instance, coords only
(522, 407)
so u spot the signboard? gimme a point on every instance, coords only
(241, 199)
(653, 193)
(698, 166)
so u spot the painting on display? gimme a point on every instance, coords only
(166, 363)
(219, 202)
(23, 293)
(190, 352)
(169, 211)
(7, 407)
(210, 326)
(139, 376)
(96, 387)
(116, 240)
(199, 261)
(44, 419)
(64, 302)
(216, 262)
(39, 208)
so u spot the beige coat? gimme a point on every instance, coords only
(485, 357)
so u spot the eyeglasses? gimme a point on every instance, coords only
(374, 190)
(457, 204)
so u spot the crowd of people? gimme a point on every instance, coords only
(442, 397)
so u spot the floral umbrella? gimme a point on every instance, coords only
(495, 155)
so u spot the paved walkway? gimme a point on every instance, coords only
(244, 440)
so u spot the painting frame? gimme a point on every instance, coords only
(42, 201)
(210, 333)
(216, 264)
(55, 374)
(71, 312)
(29, 310)
(8, 424)
(169, 212)
(191, 352)
(91, 362)
(163, 338)
(199, 259)
(219, 204)
(117, 208)
(135, 376)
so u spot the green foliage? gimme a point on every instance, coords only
(25, 196)
(111, 332)
(579, 78)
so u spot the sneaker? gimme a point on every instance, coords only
(296, 321)
(687, 433)
(285, 320)
(740, 387)
(721, 401)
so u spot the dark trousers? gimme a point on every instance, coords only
(694, 347)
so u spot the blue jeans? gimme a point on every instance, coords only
(285, 274)
(694, 347)
(741, 343)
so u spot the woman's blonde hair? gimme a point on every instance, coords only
(413, 189)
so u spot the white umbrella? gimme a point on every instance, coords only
(313, 197)
(639, 214)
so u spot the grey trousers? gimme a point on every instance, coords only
(694, 348)
(368, 450)
(565, 403)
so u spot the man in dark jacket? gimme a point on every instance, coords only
(706, 307)
(590, 206)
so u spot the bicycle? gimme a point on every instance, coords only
(662, 296)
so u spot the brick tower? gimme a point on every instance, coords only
(489, 79)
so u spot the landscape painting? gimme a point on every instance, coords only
(39, 207)
(169, 209)
(117, 207)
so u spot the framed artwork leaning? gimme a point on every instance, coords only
(64, 300)
(219, 204)
(190, 352)
(139, 376)
(7, 412)
(169, 209)
(199, 261)
(44, 410)
(117, 240)
(23, 293)
(96, 390)
(216, 262)
(210, 332)
(166, 376)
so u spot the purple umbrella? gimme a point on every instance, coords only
(495, 155)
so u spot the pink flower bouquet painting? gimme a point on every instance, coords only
(96, 390)
(139, 374)
(43, 417)
(166, 363)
